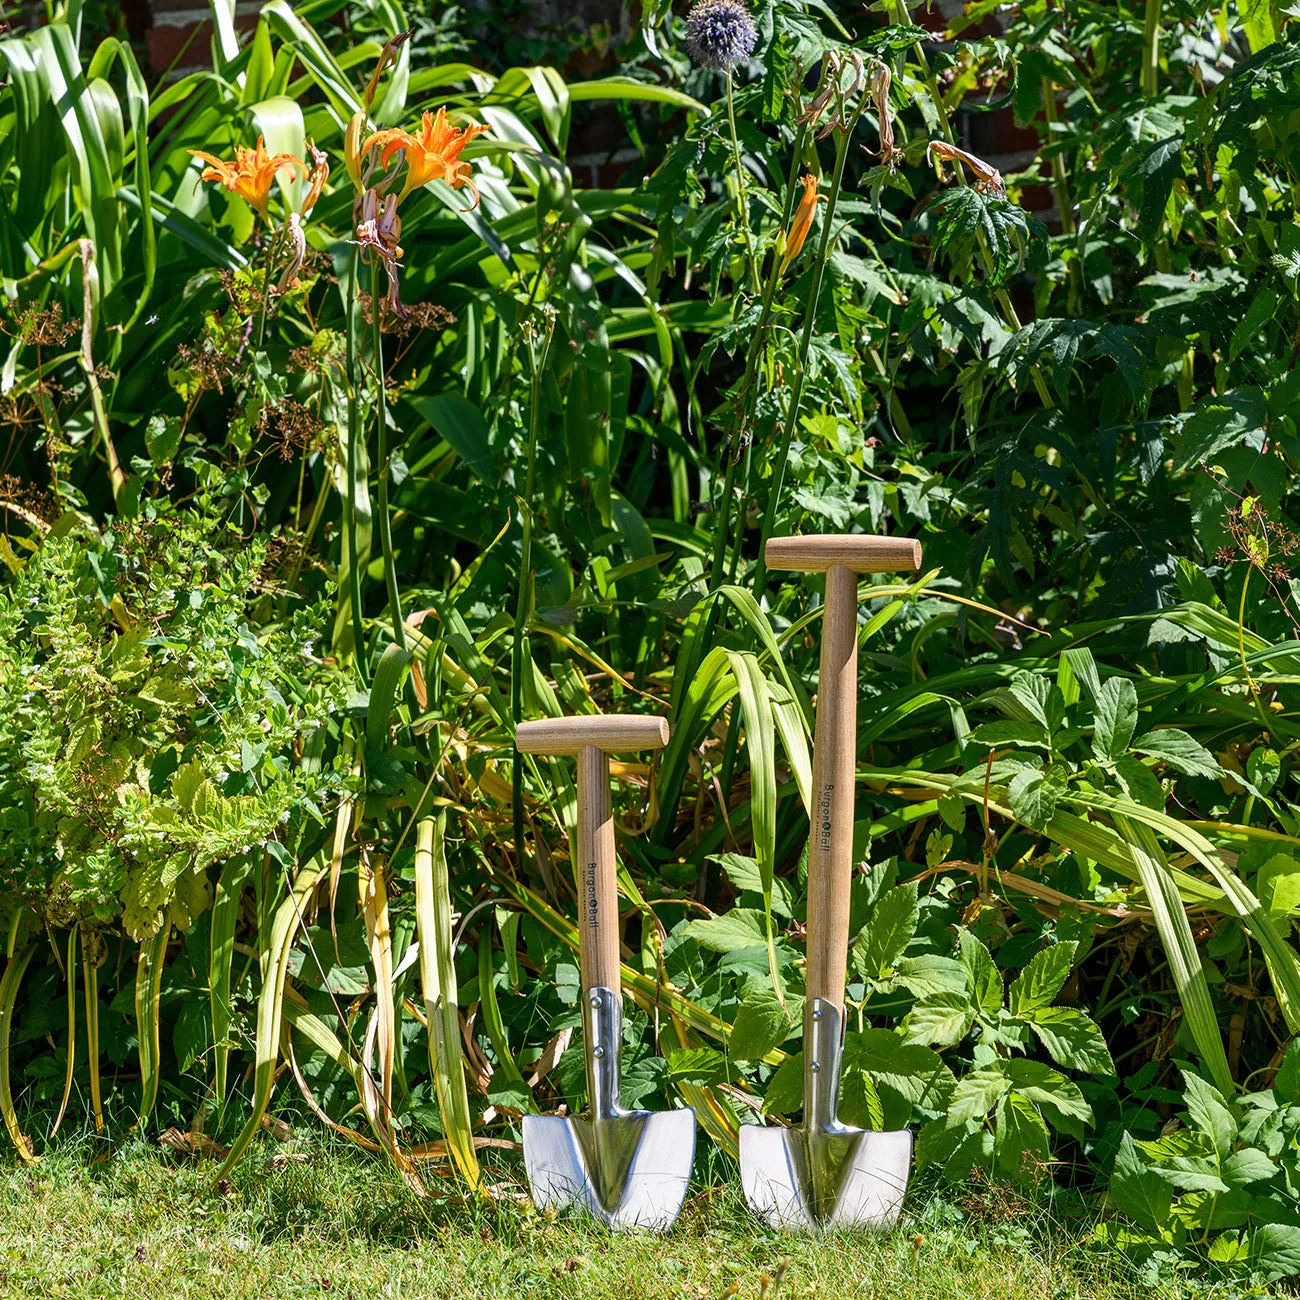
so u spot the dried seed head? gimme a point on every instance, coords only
(720, 33)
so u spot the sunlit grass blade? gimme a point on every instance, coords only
(70, 969)
(1180, 947)
(148, 988)
(9, 985)
(374, 909)
(90, 981)
(270, 1003)
(1282, 959)
(495, 1026)
(760, 740)
(225, 914)
(438, 978)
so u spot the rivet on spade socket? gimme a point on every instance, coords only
(816, 1015)
(595, 1001)
(816, 1066)
(598, 1052)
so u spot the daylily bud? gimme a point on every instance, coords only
(802, 222)
(352, 148)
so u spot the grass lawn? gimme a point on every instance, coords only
(311, 1218)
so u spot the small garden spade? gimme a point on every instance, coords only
(825, 1174)
(627, 1168)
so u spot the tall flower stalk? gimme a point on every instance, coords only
(801, 361)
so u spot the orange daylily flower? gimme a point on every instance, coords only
(802, 222)
(433, 154)
(252, 173)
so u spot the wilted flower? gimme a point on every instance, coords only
(433, 154)
(379, 233)
(834, 87)
(297, 242)
(881, 79)
(720, 33)
(988, 180)
(252, 173)
(802, 222)
(320, 172)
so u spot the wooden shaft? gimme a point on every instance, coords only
(594, 874)
(857, 552)
(612, 733)
(830, 845)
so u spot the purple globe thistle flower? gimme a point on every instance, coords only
(720, 33)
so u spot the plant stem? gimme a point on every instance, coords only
(381, 451)
(742, 190)
(518, 655)
(1151, 50)
(354, 434)
(801, 361)
(744, 401)
(266, 287)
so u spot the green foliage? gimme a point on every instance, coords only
(546, 490)
(146, 731)
(1223, 1182)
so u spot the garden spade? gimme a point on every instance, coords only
(825, 1174)
(627, 1168)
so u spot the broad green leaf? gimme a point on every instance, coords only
(940, 1020)
(1180, 751)
(882, 941)
(785, 1089)
(912, 1071)
(462, 425)
(1021, 1144)
(1072, 1039)
(1034, 795)
(1041, 980)
(1249, 1165)
(743, 873)
(1141, 1194)
(762, 1023)
(985, 979)
(1287, 1080)
(976, 1094)
(742, 927)
(1050, 1090)
(760, 741)
(929, 973)
(1115, 719)
(1210, 1113)
(1275, 1251)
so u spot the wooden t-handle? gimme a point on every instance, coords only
(858, 553)
(830, 844)
(592, 739)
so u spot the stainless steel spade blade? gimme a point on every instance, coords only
(824, 1174)
(626, 1168)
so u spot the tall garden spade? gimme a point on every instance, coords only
(627, 1168)
(825, 1174)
